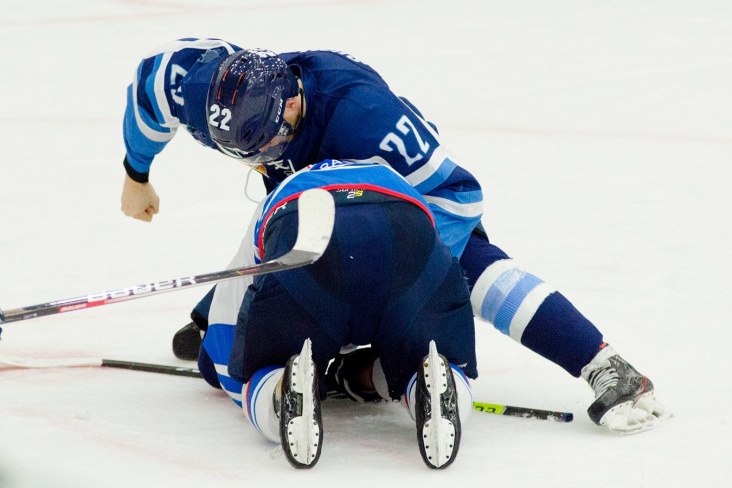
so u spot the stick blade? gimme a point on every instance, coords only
(316, 215)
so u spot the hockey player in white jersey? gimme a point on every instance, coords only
(385, 281)
(281, 113)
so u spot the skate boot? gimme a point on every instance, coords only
(187, 342)
(436, 411)
(301, 426)
(624, 398)
(349, 375)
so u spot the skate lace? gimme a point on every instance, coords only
(604, 379)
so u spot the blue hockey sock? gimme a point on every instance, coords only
(533, 313)
(217, 347)
(560, 333)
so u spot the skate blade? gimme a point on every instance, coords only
(304, 433)
(633, 417)
(438, 433)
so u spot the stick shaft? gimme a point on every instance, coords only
(524, 412)
(315, 216)
(152, 368)
(139, 291)
(494, 408)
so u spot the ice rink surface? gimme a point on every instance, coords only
(602, 135)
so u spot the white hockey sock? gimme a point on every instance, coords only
(258, 402)
(465, 393)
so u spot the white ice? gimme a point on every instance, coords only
(601, 132)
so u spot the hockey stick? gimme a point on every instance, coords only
(316, 213)
(17, 362)
(529, 413)
(34, 363)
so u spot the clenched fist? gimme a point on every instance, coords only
(139, 200)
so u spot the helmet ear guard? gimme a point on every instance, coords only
(246, 101)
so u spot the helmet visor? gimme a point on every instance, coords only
(268, 153)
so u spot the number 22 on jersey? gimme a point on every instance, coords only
(396, 141)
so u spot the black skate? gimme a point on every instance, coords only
(187, 342)
(436, 411)
(301, 426)
(624, 398)
(344, 377)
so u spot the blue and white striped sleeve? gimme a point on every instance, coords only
(149, 122)
(453, 195)
(154, 100)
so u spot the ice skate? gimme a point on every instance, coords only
(187, 342)
(624, 398)
(301, 427)
(349, 375)
(436, 411)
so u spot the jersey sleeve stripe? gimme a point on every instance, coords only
(467, 210)
(433, 173)
(148, 127)
(463, 197)
(162, 108)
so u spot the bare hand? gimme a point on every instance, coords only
(139, 200)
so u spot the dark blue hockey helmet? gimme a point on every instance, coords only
(246, 105)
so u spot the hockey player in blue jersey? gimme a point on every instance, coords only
(281, 113)
(385, 280)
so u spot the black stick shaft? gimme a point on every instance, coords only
(152, 368)
(494, 408)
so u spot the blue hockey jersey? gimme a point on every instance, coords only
(351, 114)
(350, 183)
